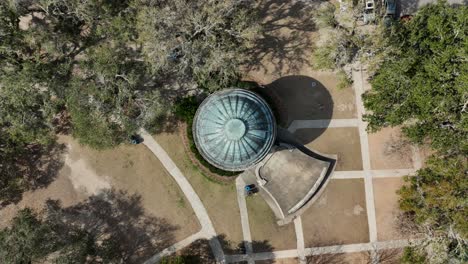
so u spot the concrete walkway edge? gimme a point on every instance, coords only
(244, 218)
(197, 205)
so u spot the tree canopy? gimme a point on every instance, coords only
(421, 83)
(106, 68)
(107, 228)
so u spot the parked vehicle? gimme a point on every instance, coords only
(390, 12)
(251, 189)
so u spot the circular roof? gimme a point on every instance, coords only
(234, 129)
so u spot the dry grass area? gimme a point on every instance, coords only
(343, 142)
(136, 170)
(389, 150)
(278, 261)
(267, 235)
(338, 216)
(61, 189)
(344, 101)
(133, 169)
(386, 208)
(348, 258)
(220, 200)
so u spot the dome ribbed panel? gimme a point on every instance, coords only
(234, 129)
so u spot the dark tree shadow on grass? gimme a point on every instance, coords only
(116, 218)
(279, 17)
(199, 252)
(34, 168)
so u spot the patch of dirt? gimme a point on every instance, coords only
(339, 215)
(60, 189)
(343, 142)
(279, 261)
(267, 235)
(136, 170)
(220, 200)
(389, 150)
(386, 208)
(345, 258)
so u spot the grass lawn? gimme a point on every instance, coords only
(267, 235)
(338, 216)
(220, 200)
(136, 170)
(343, 141)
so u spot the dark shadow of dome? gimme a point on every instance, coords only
(298, 97)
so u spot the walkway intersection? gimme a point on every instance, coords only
(301, 252)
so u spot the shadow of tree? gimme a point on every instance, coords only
(115, 219)
(284, 34)
(199, 252)
(34, 167)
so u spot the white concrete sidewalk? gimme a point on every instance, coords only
(244, 218)
(207, 230)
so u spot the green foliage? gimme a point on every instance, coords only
(173, 260)
(186, 108)
(202, 40)
(26, 240)
(325, 15)
(339, 49)
(323, 57)
(421, 83)
(424, 85)
(412, 256)
(344, 81)
(435, 198)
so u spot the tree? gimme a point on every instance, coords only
(27, 239)
(435, 199)
(107, 228)
(423, 86)
(203, 40)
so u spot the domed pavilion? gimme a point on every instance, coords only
(234, 129)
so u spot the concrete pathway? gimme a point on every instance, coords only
(244, 218)
(322, 123)
(337, 249)
(360, 174)
(176, 247)
(207, 230)
(358, 81)
(300, 240)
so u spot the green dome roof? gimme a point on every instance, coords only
(234, 129)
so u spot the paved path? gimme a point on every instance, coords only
(360, 174)
(359, 89)
(322, 123)
(300, 240)
(244, 218)
(358, 80)
(176, 247)
(207, 230)
(337, 249)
